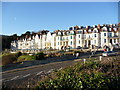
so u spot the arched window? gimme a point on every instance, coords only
(72, 32)
(104, 29)
(67, 33)
(95, 30)
(59, 33)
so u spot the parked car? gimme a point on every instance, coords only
(85, 48)
(79, 47)
(109, 53)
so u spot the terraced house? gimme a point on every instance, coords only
(74, 37)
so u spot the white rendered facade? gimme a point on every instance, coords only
(73, 38)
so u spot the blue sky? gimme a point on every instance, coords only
(19, 17)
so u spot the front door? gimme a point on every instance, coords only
(111, 41)
(89, 43)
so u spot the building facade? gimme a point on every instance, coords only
(74, 37)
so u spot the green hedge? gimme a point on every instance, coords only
(40, 56)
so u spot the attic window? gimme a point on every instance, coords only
(70, 28)
(104, 29)
(67, 33)
(95, 31)
(59, 33)
(115, 29)
(110, 29)
(79, 32)
(72, 32)
(89, 30)
(84, 31)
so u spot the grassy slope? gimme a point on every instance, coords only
(25, 58)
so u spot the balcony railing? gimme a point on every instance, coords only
(113, 36)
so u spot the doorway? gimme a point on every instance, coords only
(111, 41)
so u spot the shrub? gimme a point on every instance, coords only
(18, 54)
(84, 76)
(40, 56)
(7, 59)
(25, 58)
(76, 52)
(50, 55)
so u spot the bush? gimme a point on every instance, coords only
(76, 52)
(7, 59)
(40, 56)
(92, 75)
(18, 54)
(25, 58)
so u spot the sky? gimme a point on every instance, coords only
(19, 17)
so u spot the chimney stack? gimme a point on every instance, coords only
(98, 26)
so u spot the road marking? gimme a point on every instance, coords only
(6, 80)
(14, 77)
(60, 68)
(26, 75)
(50, 71)
(39, 72)
(1, 80)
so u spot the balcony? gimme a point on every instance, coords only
(115, 36)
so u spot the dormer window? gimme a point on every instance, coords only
(70, 28)
(104, 29)
(67, 33)
(89, 30)
(59, 33)
(115, 29)
(79, 32)
(84, 31)
(95, 30)
(72, 32)
(110, 29)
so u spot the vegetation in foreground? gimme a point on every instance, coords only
(95, 74)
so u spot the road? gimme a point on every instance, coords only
(27, 77)
(16, 78)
